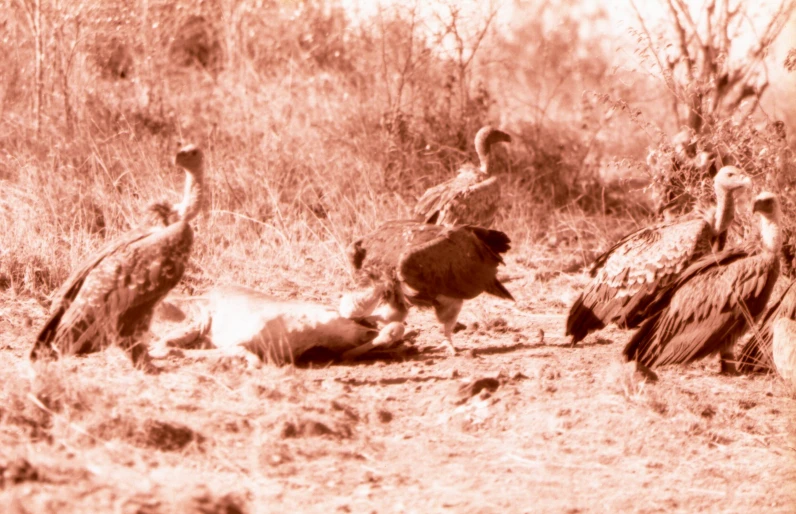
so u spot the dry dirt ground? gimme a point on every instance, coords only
(515, 423)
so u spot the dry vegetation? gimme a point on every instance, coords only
(317, 129)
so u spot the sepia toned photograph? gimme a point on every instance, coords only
(397, 256)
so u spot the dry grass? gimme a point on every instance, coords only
(549, 429)
(306, 150)
(314, 135)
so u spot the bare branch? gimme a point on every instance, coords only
(480, 36)
(770, 33)
(755, 103)
(722, 25)
(384, 56)
(682, 38)
(687, 15)
(28, 14)
(732, 13)
(650, 45)
(778, 21)
(408, 63)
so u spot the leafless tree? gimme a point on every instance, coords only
(705, 84)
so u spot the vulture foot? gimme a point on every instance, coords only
(448, 346)
(728, 368)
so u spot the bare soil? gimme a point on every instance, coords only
(517, 422)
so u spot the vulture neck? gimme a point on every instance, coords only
(483, 157)
(193, 197)
(770, 234)
(725, 210)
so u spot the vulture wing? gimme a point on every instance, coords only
(117, 290)
(377, 254)
(628, 275)
(458, 199)
(705, 309)
(476, 204)
(458, 262)
(65, 294)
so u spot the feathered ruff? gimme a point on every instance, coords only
(706, 309)
(756, 356)
(627, 276)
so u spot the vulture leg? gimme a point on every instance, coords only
(447, 310)
(727, 361)
(133, 326)
(137, 349)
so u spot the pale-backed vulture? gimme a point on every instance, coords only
(627, 276)
(473, 195)
(111, 297)
(713, 302)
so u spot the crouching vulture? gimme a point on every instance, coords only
(713, 301)
(414, 263)
(627, 276)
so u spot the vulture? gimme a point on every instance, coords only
(473, 196)
(111, 297)
(409, 262)
(713, 301)
(757, 355)
(626, 277)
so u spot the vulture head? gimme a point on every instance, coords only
(767, 206)
(729, 179)
(484, 139)
(190, 158)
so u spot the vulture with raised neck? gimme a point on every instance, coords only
(111, 297)
(629, 274)
(472, 197)
(713, 302)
